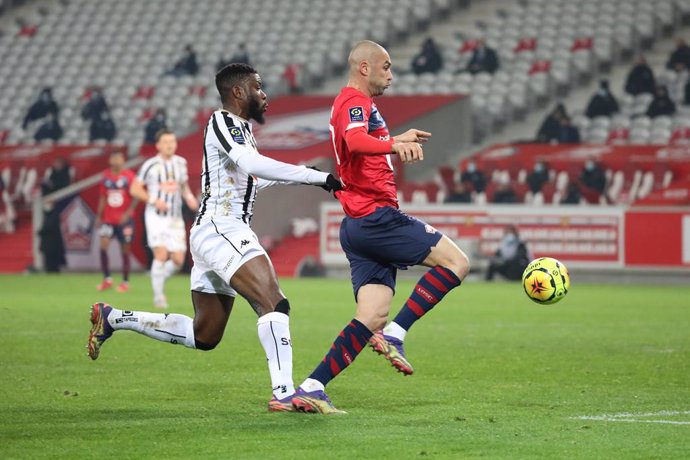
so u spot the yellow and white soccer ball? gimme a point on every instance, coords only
(546, 280)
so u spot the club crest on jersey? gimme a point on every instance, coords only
(429, 229)
(236, 134)
(356, 114)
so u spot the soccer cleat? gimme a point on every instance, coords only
(107, 283)
(101, 330)
(391, 349)
(314, 402)
(160, 302)
(281, 405)
(123, 287)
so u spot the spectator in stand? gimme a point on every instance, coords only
(484, 59)
(661, 104)
(429, 58)
(44, 106)
(95, 106)
(593, 179)
(241, 56)
(459, 194)
(504, 194)
(572, 195)
(157, 123)
(50, 130)
(680, 57)
(511, 257)
(187, 65)
(640, 79)
(603, 103)
(538, 177)
(473, 179)
(551, 126)
(568, 134)
(103, 128)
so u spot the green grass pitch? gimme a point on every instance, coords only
(496, 376)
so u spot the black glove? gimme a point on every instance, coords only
(332, 184)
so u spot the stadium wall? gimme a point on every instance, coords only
(582, 237)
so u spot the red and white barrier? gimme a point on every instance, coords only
(584, 237)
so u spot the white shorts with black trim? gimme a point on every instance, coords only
(219, 249)
(167, 232)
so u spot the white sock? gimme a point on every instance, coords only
(157, 278)
(170, 268)
(394, 330)
(169, 327)
(312, 385)
(274, 335)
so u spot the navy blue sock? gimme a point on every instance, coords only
(344, 350)
(429, 291)
(105, 266)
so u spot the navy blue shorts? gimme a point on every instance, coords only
(123, 233)
(382, 242)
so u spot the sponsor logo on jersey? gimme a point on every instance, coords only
(356, 114)
(236, 134)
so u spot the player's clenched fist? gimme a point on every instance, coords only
(409, 152)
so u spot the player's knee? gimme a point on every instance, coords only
(458, 263)
(283, 307)
(373, 321)
(205, 346)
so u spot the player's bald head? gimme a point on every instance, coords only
(365, 50)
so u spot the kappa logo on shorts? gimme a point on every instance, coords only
(243, 243)
(236, 134)
(356, 114)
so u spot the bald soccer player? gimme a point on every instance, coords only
(376, 236)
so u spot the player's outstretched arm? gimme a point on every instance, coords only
(268, 168)
(413, 135)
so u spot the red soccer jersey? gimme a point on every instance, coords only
(115, 190)
(368, 180)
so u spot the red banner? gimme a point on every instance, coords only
(85, 159)
(567, 157)
(586, 237)
(657, 237)
(583, 236)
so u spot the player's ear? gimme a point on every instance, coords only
(239, 92)
(364, 68)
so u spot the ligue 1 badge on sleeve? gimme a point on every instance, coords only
(236, 134)
(356, 114)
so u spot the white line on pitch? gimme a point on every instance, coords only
(628, 417)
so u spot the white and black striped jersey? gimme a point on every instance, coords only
(165, 180)
(233, 170)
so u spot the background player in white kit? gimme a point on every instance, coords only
(162, 184)
(228, 258)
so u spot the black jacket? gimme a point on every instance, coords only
(640, 80)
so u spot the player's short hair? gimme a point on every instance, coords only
(232, 75)
(162, 132)
(118, 152)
